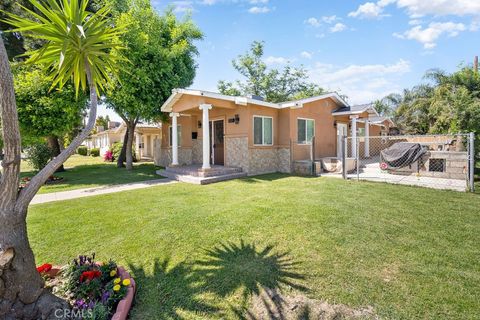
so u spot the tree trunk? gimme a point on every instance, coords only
(123, 152)
(128, 151)
(22, 293)
(54, 145)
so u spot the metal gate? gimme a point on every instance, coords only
(447, 163)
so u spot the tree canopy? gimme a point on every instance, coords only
(43, 112)
(446, 103)
(272, 84)
(160, 55)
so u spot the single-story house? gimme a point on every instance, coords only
(144, 138)
(208, 129)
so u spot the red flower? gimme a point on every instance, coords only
(44, 268)
(90, 275)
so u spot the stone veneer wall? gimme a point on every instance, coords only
(236, 152)
(197, 151)
(184, 156)
(284, 160)
(255, 160)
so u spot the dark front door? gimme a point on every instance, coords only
(218, 145)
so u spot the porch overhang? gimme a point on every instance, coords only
(211, 97)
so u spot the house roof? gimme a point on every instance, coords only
(357, 109)
(239, 100)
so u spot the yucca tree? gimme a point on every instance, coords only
(79, 46)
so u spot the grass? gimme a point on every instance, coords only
(87, 172)
(200, 252)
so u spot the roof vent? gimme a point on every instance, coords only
(255, 97)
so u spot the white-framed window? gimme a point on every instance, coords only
(361, 132)
(179, 135)
(262, 130)
(305, 130)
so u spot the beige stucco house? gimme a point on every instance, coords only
(208, 129)
(144, 139)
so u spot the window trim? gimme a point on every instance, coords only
(263, 137)
(306, 130)
(170, 141)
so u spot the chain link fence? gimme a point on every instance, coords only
(435, 161)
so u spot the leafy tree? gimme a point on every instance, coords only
(160, 53)
(447, 103)
(77, 46)
(45, 113)
(272, 84)
(102, 121)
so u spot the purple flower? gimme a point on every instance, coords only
(105, 296)
(80, 304)
(91, 305)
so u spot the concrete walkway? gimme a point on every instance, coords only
(80, 193)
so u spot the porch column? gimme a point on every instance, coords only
(354, 136)
(206, 135)
(367, 138)
(138, 142)
(174, 116)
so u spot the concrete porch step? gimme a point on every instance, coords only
(196, 171)
(201, 180)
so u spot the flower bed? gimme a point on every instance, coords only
(97, 290)
(26, 180)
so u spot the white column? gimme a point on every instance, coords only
(174, 116)
(367, 138)
(138, 141)
(206, 135)
(354, 135)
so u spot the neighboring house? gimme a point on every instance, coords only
(144, 139)
(260, 137)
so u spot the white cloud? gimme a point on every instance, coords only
(306, 55)
(338, 27)
(258, 10)
(183, 6)
(430, 35)
(330, 19)
(271, 60)
(314, 22)
(258, 1)
(419, 8)
(440, 7)
(371, 10)
(361, 83)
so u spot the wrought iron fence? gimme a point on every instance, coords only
(435, 161)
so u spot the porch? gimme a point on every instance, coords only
(197, 175)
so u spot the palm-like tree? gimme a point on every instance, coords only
(80, 46)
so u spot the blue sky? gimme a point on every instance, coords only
(362, 49)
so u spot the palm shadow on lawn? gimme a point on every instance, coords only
(171, 289)
(175, 289)
(230, 267)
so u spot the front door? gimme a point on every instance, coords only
(342, 131)
(217, 143)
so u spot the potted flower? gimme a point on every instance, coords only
(97, 290)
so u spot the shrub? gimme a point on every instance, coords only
(108, 157)
(95, 152)
(39, 155)
(117, 149)
(82, 150)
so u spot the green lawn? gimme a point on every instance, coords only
(199, 252)
(86, 172)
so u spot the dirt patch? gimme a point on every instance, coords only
(271, 304)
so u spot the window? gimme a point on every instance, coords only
(436, 165)
(179, 135)
(305, 130)
(361, 132)
(262, 130)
